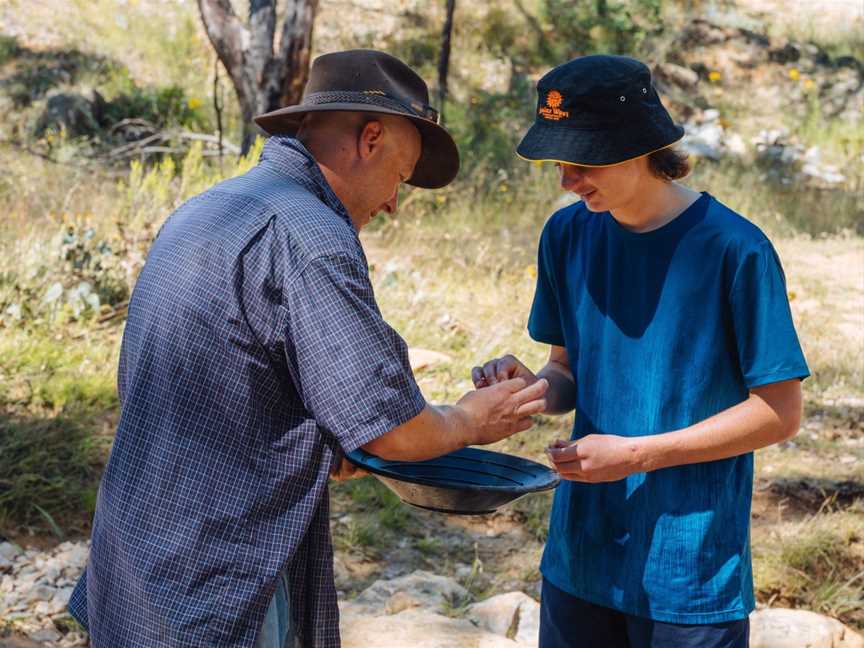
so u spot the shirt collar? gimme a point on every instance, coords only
(288, 156)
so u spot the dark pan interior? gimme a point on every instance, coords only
(466, 468)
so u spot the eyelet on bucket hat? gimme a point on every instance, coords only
(598, 110)
(370, 81)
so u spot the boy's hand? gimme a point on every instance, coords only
(596, 458)
(501, 369)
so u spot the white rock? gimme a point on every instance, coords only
(529, 624)
(735, 144)
(416, 628)
(41, 593)
(42, 609)
(428, 590)
(61, 599)
(9, 551)
(499, 613)
(46, 634)
(782, 628)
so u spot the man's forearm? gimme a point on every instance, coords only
(771, 414)
(437, 430)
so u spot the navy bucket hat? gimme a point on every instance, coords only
(598, 111)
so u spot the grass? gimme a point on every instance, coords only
(57, 401)
(816, 563)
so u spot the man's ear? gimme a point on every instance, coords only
(370, 139)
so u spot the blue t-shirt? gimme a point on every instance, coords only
(663, 329)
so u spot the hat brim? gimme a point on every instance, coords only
(439, 157)
(593, 148)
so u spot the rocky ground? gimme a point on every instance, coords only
(419, 609)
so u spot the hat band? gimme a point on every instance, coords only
(373, 98)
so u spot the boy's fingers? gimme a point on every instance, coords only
(477, 377)
(571, 470)
(489, 372)
(565, 454)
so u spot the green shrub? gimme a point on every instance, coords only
(8, 48)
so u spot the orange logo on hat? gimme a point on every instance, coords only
(552, 108)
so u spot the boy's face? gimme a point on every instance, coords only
(605, 188)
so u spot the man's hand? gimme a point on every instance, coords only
(344, 469)
(596, 458)
(496, 412)
(501, 369)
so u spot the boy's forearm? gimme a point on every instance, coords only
(768, 416)
(561, 395)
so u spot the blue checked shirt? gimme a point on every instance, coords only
(254, 352)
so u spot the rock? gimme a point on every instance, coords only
(400, 601)
(528, 632)
(428, 590)
(46, 634)
(418, 629)
(9, 551)
(422, 358)
(786, 54)
(514, 614)
(677, 74)
(704, 140)
(735, 144)
(71, 112)
(41, 593)
(782, 628)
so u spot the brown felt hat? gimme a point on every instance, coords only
(374, 82)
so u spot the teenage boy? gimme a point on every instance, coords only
(672, 340)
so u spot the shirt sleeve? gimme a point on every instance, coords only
(351, 367)
(544, 322)
(768, 347)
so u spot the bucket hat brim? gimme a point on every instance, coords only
(439, 157)
(592, 148)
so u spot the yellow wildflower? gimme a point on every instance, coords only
(714, 76)
(193, 103)
(794, 74)
(531, 271)
(808, 84)
(440, 199)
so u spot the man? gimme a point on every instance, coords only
(672, 340)
(253, 358)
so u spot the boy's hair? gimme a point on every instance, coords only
(669, 164)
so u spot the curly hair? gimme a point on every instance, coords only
(669, 164)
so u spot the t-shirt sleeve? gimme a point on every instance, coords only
(768, 347)
(351, 367)
(544, 322)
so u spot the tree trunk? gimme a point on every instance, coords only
(263, 78)
(444, 59)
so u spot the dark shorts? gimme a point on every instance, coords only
(570, 622)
